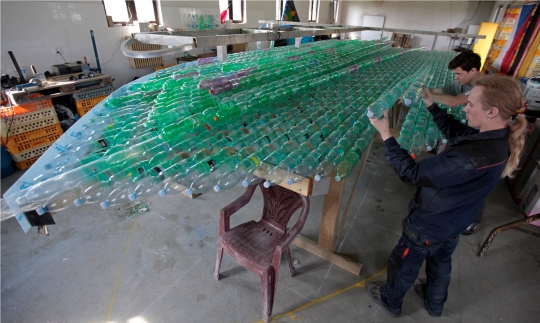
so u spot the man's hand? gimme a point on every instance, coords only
(382, 126)
(426, 96)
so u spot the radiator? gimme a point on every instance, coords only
(144, 62)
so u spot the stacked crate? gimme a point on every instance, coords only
(533, 68)
(85, 101)
(28, 130)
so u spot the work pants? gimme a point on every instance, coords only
(404, 265)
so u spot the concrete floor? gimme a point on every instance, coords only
(155, 267)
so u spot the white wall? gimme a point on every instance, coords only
(420, 15)
(32, 29)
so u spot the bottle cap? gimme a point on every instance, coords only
(104, 204)
(217, 188)
(407, 101)
(78, 202)
(413, 156)
(162, 192)
(429, 148)
(267, 184)
(337, 178)
(245, 183)
(290, 181)
(189, 192)
(318, 177)
(132, 196)
(370, 114)
(41, 210)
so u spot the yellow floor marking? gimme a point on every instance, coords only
(324, 298)
(120, 269)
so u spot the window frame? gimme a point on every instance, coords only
(132, 12)
(314, 6)
(232, 9)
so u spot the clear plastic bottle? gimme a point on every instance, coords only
(345, 166)
(60, 200)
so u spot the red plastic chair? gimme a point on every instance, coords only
(258, 246)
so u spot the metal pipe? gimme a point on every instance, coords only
(95, 51)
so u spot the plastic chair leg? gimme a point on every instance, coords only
(288, 254)
(267, 294)
(218, 261)
(499, 229)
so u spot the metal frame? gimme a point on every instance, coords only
(220, 38)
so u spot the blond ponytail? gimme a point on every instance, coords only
(516, 141)
(504, 93)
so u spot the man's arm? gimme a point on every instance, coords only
(450, 100)
(436, 90)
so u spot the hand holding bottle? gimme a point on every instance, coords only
(382, 126)
(426, 96)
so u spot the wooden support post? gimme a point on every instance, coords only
(330, 214)
(341, 261)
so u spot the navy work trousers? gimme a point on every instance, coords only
(404, 265)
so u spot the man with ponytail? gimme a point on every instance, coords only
(451, 187)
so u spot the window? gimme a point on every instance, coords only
(280, 4)
(127, 11)
(313, 15)
(236, 10)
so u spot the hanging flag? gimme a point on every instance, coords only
(523, 23)
(289, 12)
(523, 15)
(223, 15)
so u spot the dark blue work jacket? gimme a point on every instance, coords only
(452, 185)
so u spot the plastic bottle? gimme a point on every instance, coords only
(326, 167)
(415, 147)
(307, 167)
(345, 166)
(60, 200)
(208, 181)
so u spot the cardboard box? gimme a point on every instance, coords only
(530, 204)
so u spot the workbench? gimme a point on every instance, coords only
(59, 86)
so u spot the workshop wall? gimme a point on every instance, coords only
(32, 29)
(420, 15)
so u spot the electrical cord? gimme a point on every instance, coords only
(62, 56)
(111, 56)
(477, 7)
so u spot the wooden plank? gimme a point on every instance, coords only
(330, 214)
(346, 212)
(341, 261)
(303, 188)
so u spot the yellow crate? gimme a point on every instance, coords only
(18, 143)
(26, 108)
(25, 164)
(532, 72)
(18, 126)
(30, 153)
(9, 117)
(83, 106)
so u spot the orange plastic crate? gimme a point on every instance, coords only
(83, 106)
(25, 164)
(30, 153)
(32, 139)
(27, 107)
